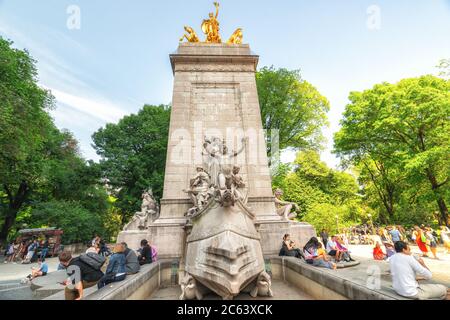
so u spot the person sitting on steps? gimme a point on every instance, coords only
(288, 248)
(333, 249)
(145, 256)
(405, 268)
(315, 256)
(132, 263)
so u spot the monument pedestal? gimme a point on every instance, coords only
(215, 95)
(133, 238)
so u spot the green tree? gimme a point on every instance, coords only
(293, 106)
(133, 155)
(405, 127)
(322, 193)
(77, 223)
(25, 126)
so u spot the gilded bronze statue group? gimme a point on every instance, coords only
(210, 27)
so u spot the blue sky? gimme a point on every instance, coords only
(118, 59)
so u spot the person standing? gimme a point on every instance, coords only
(44, 250)
(445, 237)
(31, 250)
(9, 253)
(421, 240)
(431, 241)
(395, 234)
(404, 270)
(324, 236)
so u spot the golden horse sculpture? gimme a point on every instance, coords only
(191, 36)
(236, 37)
(210, 27)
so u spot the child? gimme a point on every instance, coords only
(41, 271)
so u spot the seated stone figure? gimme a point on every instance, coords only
(199, 190)
(149, 210)
(284, 207)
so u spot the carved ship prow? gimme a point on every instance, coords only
(223, 248)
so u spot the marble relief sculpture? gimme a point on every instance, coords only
(217, 155)
(223, 249)
(199, 191)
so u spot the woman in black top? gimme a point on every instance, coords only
(146, 253)
(288, 248)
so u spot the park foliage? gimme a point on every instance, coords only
(393, 143)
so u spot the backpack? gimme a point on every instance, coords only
(93, 260)
(154, 254)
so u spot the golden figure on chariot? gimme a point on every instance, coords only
(210, 28)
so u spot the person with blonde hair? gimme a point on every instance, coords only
(116, 270)
(445, 237)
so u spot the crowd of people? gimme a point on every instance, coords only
(324, 254)
(424, 237)
(26, 251)
(404, 266)
(98, 265)
(98, 268)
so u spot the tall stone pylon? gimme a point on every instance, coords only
(215, 95)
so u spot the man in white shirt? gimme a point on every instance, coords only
(333, 250)
(405, 268)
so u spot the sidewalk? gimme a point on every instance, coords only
(10, 272)
(440, 268)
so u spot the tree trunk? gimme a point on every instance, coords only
(7, 224)
(440, 201)
(444, 211)
(15, 204)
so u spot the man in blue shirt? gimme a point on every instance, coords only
(395, 234)
(41, 271)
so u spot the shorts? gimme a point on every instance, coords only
(332, 252)
(30, 255)
(44, 273)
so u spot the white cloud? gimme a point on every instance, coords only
(98, 108)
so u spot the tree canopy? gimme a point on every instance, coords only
(400, 132)
(322, 193)
(41, 169)
(133, 155)
(293, 106)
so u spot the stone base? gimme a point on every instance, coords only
(167, 235)
(133, 238)
(272, 233)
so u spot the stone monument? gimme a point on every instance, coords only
(217, 206)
